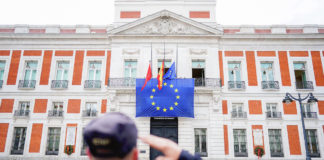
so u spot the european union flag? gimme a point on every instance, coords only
(171, 74)
(175, 99)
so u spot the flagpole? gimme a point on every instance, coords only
(151, 58)
(177, 62)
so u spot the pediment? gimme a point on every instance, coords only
(165, 23)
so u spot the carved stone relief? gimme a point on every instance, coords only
(166, 25)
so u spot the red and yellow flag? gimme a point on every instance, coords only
(160, 76)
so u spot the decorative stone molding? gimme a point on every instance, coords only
(165, 25)
(131, 51)
(198, 51)
(167, 51)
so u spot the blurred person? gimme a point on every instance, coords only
(114, 137)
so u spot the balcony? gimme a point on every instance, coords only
(21, 113)
(208, 82)
(27, 84)
(92, 84)
(310, 115)
(270, 85)
(16, 152)
(277, 154)
(242, 115)
(55, 113)
(59, 84)
(89, 113)
(1, 83)
(273, 115)
(122, 82)
(305, 85)
(51, 153)
(236, 85)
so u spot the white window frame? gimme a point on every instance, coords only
(48, 137)
(63, 70)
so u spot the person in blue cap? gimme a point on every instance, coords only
(114, 137)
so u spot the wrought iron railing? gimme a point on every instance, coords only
(273, 114)
(310, 114)
(270, 85)
(55, 113)
(60, 84)
(236, 84)
(208, 82)
(51, 153)
(276, 154)
(122, 82)
(239, 114)
(92, 84)
(89, 113)
(1, 83)
(27, 84)
(304, 85)
(16, 152)
(21, 113)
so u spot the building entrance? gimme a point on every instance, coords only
(163, 127)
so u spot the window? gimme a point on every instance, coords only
(198, 72)
(30, 72)
(53, 141)
(275, 143)
(167, 65)
(237, 110)
(200, 141)
(307, 111)
(234, 76)
(62, 70)
(23, 109)
(240, 145)
(94, 75)
(300, 77)
(267, 72)
(234, 71)
(130, 73)
(18, 140)
(94, 70)
(62, 75)
(57, 110)
(312, 142)
(2, 68)
(272, 111)
(91, 110)
(267, 76)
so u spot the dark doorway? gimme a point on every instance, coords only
(163, 127)
(199, 75)
(300, 79)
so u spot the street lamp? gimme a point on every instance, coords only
(311, 99)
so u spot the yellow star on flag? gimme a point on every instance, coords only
(171, 86)
(153, 90)
(176, 103)
(171, 108)
(176, 90)
(164, 110)
(165, 84)
(178, 97)
(158, 108)
(153, 103)
(151, 96)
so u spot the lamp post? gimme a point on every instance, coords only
(311, 99)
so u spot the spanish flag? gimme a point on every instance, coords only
(160, 76)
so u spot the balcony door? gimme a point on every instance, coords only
(198, 72)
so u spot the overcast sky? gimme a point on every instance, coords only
(100, 12)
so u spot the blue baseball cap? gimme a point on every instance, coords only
(112, 135)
